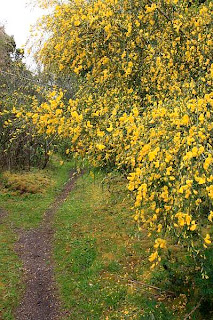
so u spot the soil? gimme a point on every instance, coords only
(34, 247)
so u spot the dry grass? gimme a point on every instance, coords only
(25, 182)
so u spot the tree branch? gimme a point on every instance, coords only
(193, 310)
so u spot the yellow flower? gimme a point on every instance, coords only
(201, 118)
(188, 219)
(210, 216)
(193, 226)
(200, 180)
(153, 256)
(100, 147)
(160, 243)
(151, 8)
(185, 120)
(152, 154)
(207, 162)
(159, 228)
(207, 239)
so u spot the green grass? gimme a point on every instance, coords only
(97, 251)
(101, 260)
(24, 211)
(100, 257)
(9, 273)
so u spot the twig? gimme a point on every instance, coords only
(150, 286)
(21, 76)
(161, 11)
(168, 18)
(193, 310)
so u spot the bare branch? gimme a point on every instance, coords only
(193, 310)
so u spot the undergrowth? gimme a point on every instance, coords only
(26, 182)
(101, 259)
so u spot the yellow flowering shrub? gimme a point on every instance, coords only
(144, 105)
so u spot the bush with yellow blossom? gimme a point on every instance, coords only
(144, 105)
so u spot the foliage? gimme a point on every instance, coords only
(7, 45)
(20, 145)
(144, 106)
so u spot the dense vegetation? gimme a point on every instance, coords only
(141, 104)
(20, 145)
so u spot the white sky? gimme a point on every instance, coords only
(17, 16)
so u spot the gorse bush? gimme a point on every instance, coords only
(144, 106)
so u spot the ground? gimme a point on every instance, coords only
(74, 252)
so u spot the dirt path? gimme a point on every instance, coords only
(35, 250)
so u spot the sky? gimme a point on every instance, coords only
(17, 16)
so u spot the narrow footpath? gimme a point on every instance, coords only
(34, 247)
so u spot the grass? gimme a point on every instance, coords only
(101, 264)
(9, 273)
(99, 254)
(25, 210)
(100, 257)
(26, 182)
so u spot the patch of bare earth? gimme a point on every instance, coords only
(35, 250)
